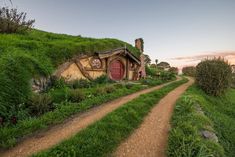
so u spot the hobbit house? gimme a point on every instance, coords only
(117, 64)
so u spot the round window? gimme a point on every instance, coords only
(96, 63)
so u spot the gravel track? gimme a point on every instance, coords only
(150, 139)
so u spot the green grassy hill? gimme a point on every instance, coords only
(38, 53)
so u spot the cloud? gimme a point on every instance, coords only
(226, 55)
(194, 60)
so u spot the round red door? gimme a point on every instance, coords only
(116, 70)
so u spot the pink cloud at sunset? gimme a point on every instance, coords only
(194, 60)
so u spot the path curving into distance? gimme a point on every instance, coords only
(150, 139)
(56, 134)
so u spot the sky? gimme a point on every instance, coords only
(176, 31)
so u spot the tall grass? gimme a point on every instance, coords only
(185, 139)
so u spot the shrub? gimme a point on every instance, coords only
(129, 85)
(151, 71)
(76, 95)
(15, 114)
(40, 103)
(166, 75)
(213, 76)
(233, 80)
(104, 90)
(12, 21)
(60, 95)
(147, 81)
(109, 89)
(58, 83)
(16, 70)
(102, 80)
(174, 70)
(119, 85)
(82, 83)
(151, 82)
(189, 71)
(99, 91)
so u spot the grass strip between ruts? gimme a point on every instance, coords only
(102, 137)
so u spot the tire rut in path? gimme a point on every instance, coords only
(46, 139)
(150, 139)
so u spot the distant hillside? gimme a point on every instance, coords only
(38, 53)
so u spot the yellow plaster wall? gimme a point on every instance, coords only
(95, 74)
(72, 73)
(86, 62)
(130, 73)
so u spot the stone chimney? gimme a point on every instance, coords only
(139, 44)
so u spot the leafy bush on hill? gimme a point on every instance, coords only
(166, 75)
(189, 71)
(16, 70)
(151, 71)
(12, 21)
(160, 73)
(76, 95)
(174, 70)
(213, 76)
(40, 103)
(233, 80)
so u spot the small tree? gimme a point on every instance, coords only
(174, 70)
(213, 76)
(153, 65)
(233, 76)
(189, 71)
(12, 21)
(164, 65)
(147, 59)
(156, 61)
(151, 71)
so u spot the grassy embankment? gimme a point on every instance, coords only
(102, 137)
(9, 135)
(185, 138)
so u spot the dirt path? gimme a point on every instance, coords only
(150, 139)
(70, 127)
